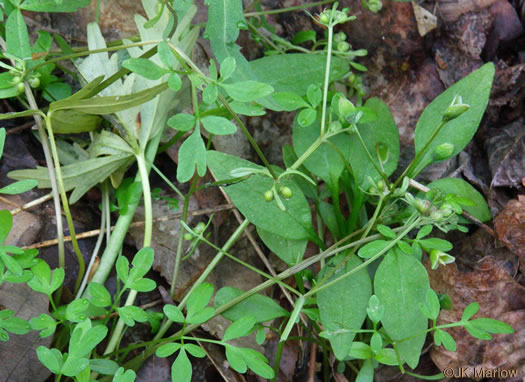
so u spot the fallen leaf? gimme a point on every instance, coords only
(510, 227)
(18, 356)
(426, 21)
(505, 150)
(500, 297)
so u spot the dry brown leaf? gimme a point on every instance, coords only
(510, 227)
(426, 21)
(500, 297)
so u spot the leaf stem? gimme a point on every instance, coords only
(326, 79)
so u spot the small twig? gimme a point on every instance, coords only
(145, 306)
(16, 130)
(95, 232)
(32, 203)
(479, 223)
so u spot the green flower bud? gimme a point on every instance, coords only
(286, 192)
(20, 87)
(375, 5)
(381, 185)
(324, 18)
(443, 151)
(438, 257)
(335, 126)
(447, 210)
(456, 108)
(421, 205)
(339, 37)
(199, 228)
(188, 236)
(16, 80)
(268, 196)
(346, 108)
(343, 46)
(352, 78)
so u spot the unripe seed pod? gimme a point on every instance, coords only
(381, 185)
(20, 87)
(341, 36)
(421, 205)
(268, 196)
(188, 236)
(16, 80)
(34, 82)
(443, 151)
(286, 192)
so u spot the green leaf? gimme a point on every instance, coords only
(143, 285)
(74, 310)
(373, 248)
(11, 264)
(195, 350)
(182, 122)
(181, 369)
(248, 196)
(387, 356)
(257, 363)
(401, 283)
(386, 231)
(54, 5)
(442, 337)
(480, 209)
(247, 91)
(491, 326)
(218, 125)
(210, 93)
(366, 373)
(289, 101)
(475, 91)
(375, 309)
(173, 313)
(435, 243)
(145, 68)
(431, 306)
(110, 104)
(314, 95)
(103, 366)
(295, 72)
(477, 333)
(45, 323)
(470, 311)
(15, 325)
(129, 314)
(239, 328)
(167, 349)
(306, 117)
(288, 250)
(228, 66)
(192, 154)
(19, 187)
(261, 307)
(424, 231)
(304, 36)
(50, 358)
(73, 122)
(73, 366)
(382, 131)
(6, 222)
(174, 82)
(17, 38)
(142, 263)
(79, 177)
(199, 298)
(122, 267)
(343, 306)
(99, 295)
(121, 376)
(2, 141)
(56, 91)
(165, 54)
(85, 338)
(235, 359)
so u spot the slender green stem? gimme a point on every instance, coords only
(326, 79)
(65, 204)
(180, 242)
(277, 361)
(204, 275)
(88, 52)
(436, 377)
(370, 158)
(289, 9)
(318, 142)
(168, 182)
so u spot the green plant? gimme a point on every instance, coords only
(344, 151)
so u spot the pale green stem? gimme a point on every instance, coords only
(326, 79)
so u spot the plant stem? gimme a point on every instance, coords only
(233, 238)
(65, 204)
(326, 79)
(289, 9)
(378, 169)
